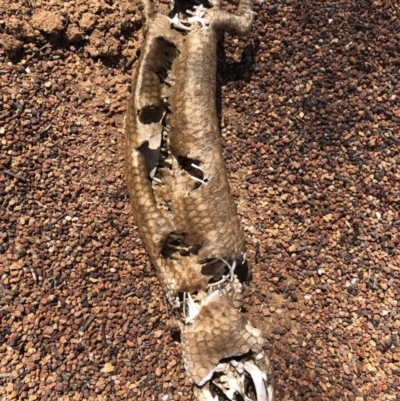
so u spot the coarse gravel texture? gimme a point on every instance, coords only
(310, 117)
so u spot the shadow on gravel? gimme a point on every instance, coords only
(235, 71)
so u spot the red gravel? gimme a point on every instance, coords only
(310, 115)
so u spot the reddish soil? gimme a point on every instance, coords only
(310, 117)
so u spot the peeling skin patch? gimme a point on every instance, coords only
(175, 244)
(151, 157)
(152, 114)
(170, 52)
(213, 267)
(193, 168)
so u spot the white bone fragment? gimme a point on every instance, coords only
(176, 23)
(167, 81)
(184, 305)
(270, 391)
(223, 279)
(196, 166)
(224, 390)
(175, 247)
(204, 394)
(256, 375)
(221, 367)
(197, 16)
(176, 256)
(240, 368)
(211, 297)
(200, 20)
(232, 385)
(193, 309)
(231, 268)
(198, 179)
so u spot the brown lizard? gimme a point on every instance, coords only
(179, 191)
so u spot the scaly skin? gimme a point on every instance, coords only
(208, 214)
(180, 195)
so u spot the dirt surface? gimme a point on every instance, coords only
(310, 117)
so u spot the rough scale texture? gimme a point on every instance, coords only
(206, 214)
(218, 332)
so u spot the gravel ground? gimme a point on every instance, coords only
(310, 115)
